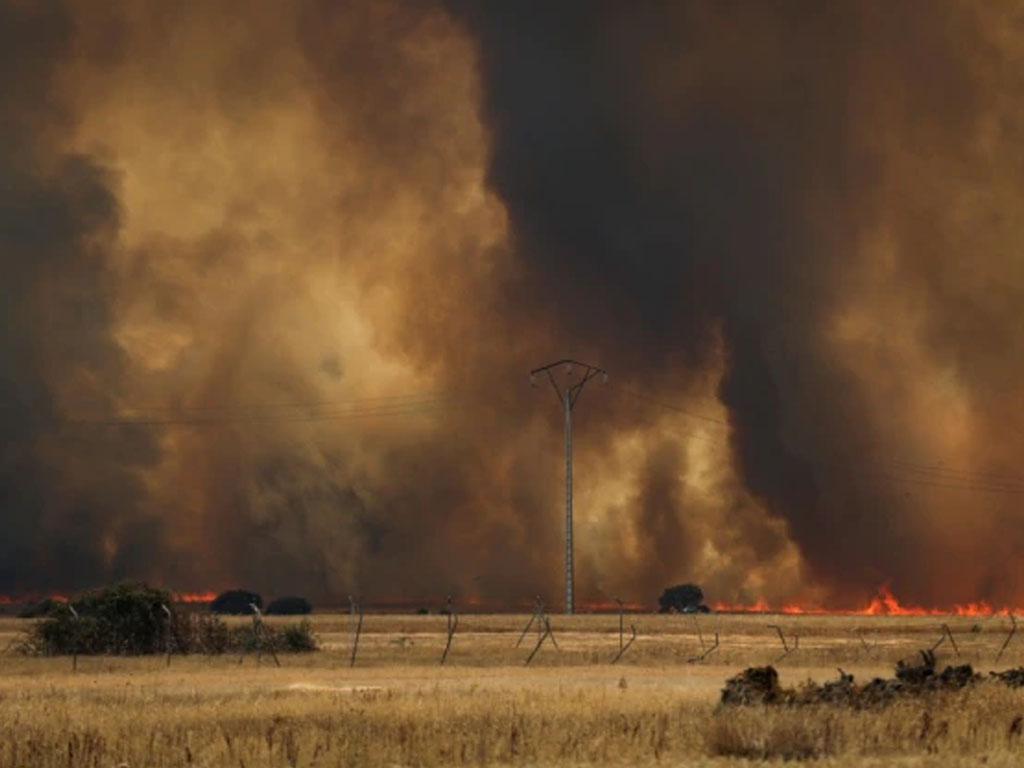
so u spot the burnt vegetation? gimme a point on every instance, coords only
(760, 685)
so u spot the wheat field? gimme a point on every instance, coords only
(569, 707)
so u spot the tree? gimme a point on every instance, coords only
(682, 598)
(289, 606)
(236, 601)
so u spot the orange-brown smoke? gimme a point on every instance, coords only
(273, 276)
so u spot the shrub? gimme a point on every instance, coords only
(124, 619)
(238, 602)
(289, 606)
(39, 608)
(203, 633)
(296, 638)
(129, 619)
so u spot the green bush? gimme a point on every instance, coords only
(129, 619)
(124, 619)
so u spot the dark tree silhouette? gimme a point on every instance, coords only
(682, 598)
(236, 601)
(289, 606)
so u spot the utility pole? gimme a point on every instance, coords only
(568, 396)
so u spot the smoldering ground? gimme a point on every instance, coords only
(273, 279)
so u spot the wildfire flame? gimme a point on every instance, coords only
(194, 597)
(27, 598)
(178, 597)
(882, 604)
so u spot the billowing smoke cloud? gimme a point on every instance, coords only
(802, 182)
(273, 278)
(63, 492)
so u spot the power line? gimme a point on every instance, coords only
(917, 473)
(658, 403)
(1009, 490)
(939, 470)
(648, 398)
(368, 407)
(913, 473)
(888, 469)
(693, 435)
(309, 405)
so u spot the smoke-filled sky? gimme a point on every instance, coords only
(273, 277)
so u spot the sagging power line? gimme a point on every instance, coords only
(892, 470)
(399, 405)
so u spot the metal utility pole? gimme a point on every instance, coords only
(568, 397)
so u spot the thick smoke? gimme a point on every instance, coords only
(63, 492)
(808, 183)
(273, 277)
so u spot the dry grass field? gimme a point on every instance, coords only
(570, 707)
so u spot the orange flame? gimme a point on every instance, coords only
(882, 604)
(194, 597)
(28, 597)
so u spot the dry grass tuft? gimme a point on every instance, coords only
(976, 723)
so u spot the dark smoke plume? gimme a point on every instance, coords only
(273, 276)
(63, 492)
(676, 172)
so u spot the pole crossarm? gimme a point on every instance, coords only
(576, 388)
(568, 396)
